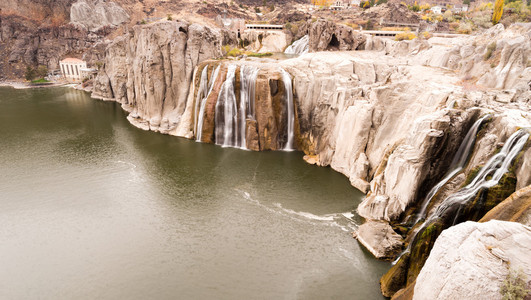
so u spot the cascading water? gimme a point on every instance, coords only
(286, 78)
(248, 76)
(227, 111)
(300, 46)
(200, 116)
(201, 94)
(458, 163)
(495, 167)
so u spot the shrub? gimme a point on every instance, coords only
(405, 36)
(257, 10)
(490, 49)
(30, 73)
(514, 287)
(169, 17)
(498, 11)
(41, 71)
(426, 35)
(234, 52)
(464, 28)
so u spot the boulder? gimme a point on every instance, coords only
(516, 208)
(380, 239)
(471, 260)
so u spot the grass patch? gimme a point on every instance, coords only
(41, 80)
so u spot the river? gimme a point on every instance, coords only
(94, 208)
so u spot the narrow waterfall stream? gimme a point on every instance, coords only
(286, 78)
(248, 76)
(227, 111)
(488, 176)
(202, 93)
(200, 118)
(300, 46)
(458, 163)
(495, 168)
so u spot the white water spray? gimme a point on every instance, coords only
(286, 78)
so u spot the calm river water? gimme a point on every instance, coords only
(94, 208)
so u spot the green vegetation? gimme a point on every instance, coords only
(235, 52)
(490, 49)
(253, 54)
(169, 17)
(42, 80)
(514, 287)
(32, 73)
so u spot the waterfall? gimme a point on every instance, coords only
(300, 46)
(495, 167)
(226, 111)
(201, 94)
(248, 76)
(200, 116)
(286, 78)
(458, 163)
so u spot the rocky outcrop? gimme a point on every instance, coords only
(380, 239)
(497, 58)
(93, 15)
(149, 70)
(263, 42)
(327, 35)
(516, 208)
(471, 260)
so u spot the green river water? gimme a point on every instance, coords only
(94, 208)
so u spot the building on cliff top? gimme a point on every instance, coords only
(71, 69)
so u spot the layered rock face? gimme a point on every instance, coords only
(149, 71)
(25, 42)
(471, 260)
(93, 15)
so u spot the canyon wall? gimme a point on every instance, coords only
(149, 70)
(391, 118)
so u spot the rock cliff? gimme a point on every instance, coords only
(93, 15)
(149, 70)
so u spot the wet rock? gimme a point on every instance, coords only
(516, 208)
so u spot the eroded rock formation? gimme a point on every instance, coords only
(471, 261)
(93, 15)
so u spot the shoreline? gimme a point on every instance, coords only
(19, 85)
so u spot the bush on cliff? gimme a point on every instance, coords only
(514, 287)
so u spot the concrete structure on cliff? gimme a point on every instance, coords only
(71, 69)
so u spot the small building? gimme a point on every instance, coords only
(436, 9)
(71, 69)
(458, 8)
